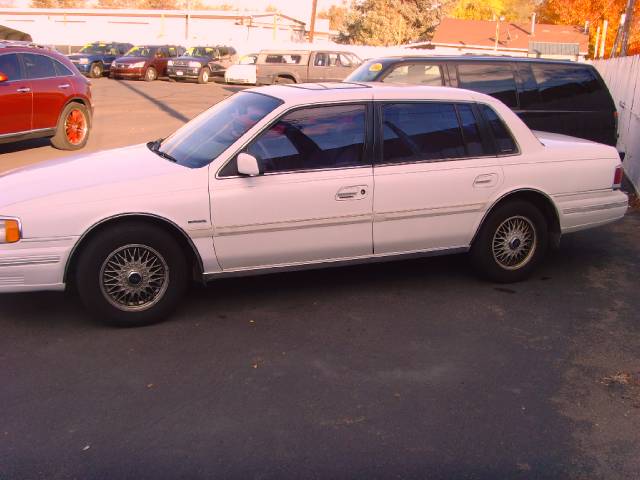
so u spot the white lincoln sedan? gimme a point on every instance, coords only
(301, 176)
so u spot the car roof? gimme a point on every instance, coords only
(304, 93)
(467, 58)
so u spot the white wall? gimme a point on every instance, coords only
(622, 76)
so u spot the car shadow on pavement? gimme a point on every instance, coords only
(161, 105)
(24, 145)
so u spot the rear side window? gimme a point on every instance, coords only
(313, 138)
(569, 87)
(39, 66)
(416, 73)
(62, 70)
(470, 131)
(503, 139)
(421, 131)
(10, 66)
(494, 79)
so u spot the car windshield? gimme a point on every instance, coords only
(199, 52)
(95, 49)
(140, 52)
(367, 72)
(248, 60)
(205, 137)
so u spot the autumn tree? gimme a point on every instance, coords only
(389, 22)
(511, 10)
(337, 16)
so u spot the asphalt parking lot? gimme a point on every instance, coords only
(412, 369)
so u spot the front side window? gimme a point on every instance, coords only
(495, 79)
(416, 73)
(321, 60)
(421, 131)
(503, 139)
(312, 139)
(39, 66)
(10, 66)
(200, 141)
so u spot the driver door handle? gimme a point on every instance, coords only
(23, 90)
(353, 192)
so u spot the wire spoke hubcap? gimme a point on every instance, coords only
(75, 127)
(134, 277)
(514, 243)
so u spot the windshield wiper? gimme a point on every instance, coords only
(155, 148)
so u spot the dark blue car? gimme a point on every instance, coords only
(95, 59)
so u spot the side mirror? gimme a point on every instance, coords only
(248, 165)
(3, 77)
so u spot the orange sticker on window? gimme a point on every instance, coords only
(376, 67)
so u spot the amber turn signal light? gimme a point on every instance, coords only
(9, 231)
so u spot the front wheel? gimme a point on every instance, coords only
(132, 275)
(205, 73)
(511, 242)
(72, 131)
(96, 70)
(150, 74)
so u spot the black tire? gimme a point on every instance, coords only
(205, 75)
(511, 242)
(74, 125)
(284, 81)
(96, 70)
(150, 74)
(95, 282)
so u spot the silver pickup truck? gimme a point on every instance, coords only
(299, 66)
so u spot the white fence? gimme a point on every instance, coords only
(622, 76)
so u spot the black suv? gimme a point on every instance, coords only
(202, 63)
(550, 95)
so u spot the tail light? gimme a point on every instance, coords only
(617, 178)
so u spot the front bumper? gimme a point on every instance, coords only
(183, 72)
(137, 72)
(34, 264)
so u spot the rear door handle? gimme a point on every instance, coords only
(353, 192)
(64, 85)
(486, 180)
(23, 90)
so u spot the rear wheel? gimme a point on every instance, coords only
(96, 70)
(284, 80)
(150, 74)
(511, 242)
(205, 73)
(72, 131)
(132, 275)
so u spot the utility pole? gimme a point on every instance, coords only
(312, 26)
(604, 38)
(628, 18)
(618, 39)
(595, 48)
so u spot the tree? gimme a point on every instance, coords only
(389, 22)
(511, 10)
(158, 4)
(337, 16)
(58, 4)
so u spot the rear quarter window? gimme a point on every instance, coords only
(505, 144)
(570, 87)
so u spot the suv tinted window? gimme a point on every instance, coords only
(569, 87)
(38, 66)
(313, 138)
(421, 131)
(493, 79)
(415, 73)
(10, 66)
(503, 139)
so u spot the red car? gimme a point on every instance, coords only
(42, 95)
(146, 62)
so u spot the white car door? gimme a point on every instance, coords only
(312, 202)
(436, 176)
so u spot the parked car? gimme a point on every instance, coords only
(42, 95)
(145, 62)
(283, 177)
(551, 95)
(298, 66)
(95, 59)
(201, 63)
(244, 71)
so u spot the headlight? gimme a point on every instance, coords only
(10, 230)
(83, 61)
(195, 64)
(137, 65)
(170, 63)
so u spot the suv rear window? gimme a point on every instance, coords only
(495, 79)
(569, 87)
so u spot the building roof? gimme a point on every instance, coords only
(513, 36)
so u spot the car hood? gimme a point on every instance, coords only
(108, 174)
(132, 59)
